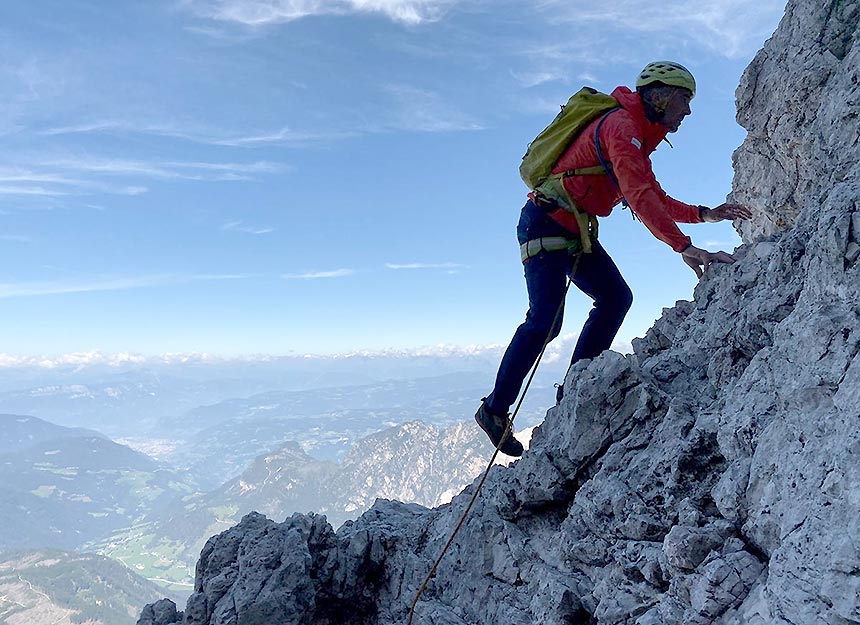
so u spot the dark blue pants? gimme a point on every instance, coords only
(546, 277)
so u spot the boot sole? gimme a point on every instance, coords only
(490, 436)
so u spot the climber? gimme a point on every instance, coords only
(627, 136)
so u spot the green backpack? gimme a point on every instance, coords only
(584, 106)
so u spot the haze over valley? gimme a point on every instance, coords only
(128, 468)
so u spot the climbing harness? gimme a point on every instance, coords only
(548, 244)
(507, 433)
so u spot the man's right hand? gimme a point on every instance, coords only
(699, 259)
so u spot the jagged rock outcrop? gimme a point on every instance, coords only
(713, 477)
(798, 101)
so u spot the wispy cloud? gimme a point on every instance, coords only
(105, 127)
(15, 238)
(18, 181)
(50, 183)
(421, 110)
(239, 226)
(22, 175)
(187, 170)
(266, 12)
(533, 79)
(424, 266)
(414, 109)
(318, 275)
(35, 289)
(29, 190)
(119, 127)
(85, 175)
(282, 136)
(731, 28)
(132, 190)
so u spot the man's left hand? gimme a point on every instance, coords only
(726, 211)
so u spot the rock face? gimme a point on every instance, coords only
(713, 477)
(798, 100)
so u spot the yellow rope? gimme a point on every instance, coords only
(507, 432)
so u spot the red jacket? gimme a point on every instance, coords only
(627, 139)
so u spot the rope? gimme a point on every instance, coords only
(507, 432)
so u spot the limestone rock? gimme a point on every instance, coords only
(160, 613)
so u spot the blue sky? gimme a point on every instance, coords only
(288, 176)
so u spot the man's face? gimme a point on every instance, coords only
(677, 108)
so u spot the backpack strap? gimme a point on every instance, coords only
(606, 165)
(597, 170)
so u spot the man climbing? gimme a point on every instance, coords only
(613, 150)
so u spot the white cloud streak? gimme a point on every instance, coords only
(257, 13)
(37, 289)
(424, 266)
(421, 110)
(186, 170)
(239, 226)
(15, 238)
(25, 190)
(87, 175)
(731, 28)
(284, 136)
(60, 184)
(318, 275)
(529, 80)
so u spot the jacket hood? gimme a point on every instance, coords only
(631, 102)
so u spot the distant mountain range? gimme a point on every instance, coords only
(215, 443)
(19, 433)
(50, 586)
(63, 487)
(333, 450)
(135, 397)
(120, 404)
(413, 462)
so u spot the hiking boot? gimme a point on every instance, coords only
(494, 425)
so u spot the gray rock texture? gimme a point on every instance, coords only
(798, 100)
(161, 612)
(712, 477)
